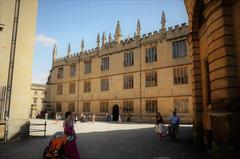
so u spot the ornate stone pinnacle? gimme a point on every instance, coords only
(118, 33)
(82, 45)
(103, 39)
(163, 21)
(68, 50)
(138, 30)
(98, 40)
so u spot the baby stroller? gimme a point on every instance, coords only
(55, 148)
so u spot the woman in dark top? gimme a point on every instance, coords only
(159, 125)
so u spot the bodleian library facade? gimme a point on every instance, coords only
(139, 76)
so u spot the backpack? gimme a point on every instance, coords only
(55, 148)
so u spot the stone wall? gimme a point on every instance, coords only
(165, 92)
(214, 50)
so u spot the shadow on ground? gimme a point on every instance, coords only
(117, 144)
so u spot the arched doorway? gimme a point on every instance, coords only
(115, 112)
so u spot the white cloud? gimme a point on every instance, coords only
(42, 39)
(40, 78)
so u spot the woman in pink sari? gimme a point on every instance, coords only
(71, 150)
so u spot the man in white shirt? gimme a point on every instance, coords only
(174, 121)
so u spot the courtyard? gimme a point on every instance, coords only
(107, 140)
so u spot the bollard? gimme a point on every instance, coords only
(45, 128)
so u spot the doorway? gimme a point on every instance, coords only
(115, 112)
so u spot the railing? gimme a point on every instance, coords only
(3, 123)
(44, 130)
(3, 90)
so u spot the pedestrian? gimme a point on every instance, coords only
(57, 118)
(93, 118)
(46, 116)
(81, 117)
(71, 150)
(107, 117)
(174, 122)
(119, 119)
(159, 126)
(128, 117)
(111, 117)
(76, 118)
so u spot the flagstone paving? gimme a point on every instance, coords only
(110, 141)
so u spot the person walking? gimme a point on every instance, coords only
(159, 125)
(93, 118)
(128, 117)
(174, 122)
(57, 118)
(119, 119)
(71, 150)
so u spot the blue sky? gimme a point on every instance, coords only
(69, 21)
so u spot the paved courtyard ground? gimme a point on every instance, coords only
(110, 141)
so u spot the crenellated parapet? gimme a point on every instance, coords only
(119, 45)
(177, 31)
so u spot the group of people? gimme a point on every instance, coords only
(86, 118)
(109, 117)
(173, 127)
(71, 151)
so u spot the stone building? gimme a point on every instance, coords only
(138, 76)
(17, 37)
(38, 94)
(214, 47)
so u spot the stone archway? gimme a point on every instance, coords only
(115, 112)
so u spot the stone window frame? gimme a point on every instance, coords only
(105, 62)
(60, 72)
(151, 54)
(73, 70)
(180, 75)
(103, 106)
(71, 107)
(151, 105)
(87, 86)
(179, 48)
(151, 79)
(86, 107)
(128, 81)
(128, 106)
(59, 89)
(181, 105)
(104, 84)
(87, 66)
(128, 59)
(72, 89)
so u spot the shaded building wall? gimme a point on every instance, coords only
(214, 50)
(23, 54)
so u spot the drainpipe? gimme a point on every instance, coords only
(11, 65)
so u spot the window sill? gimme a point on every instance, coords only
(104, 90)
(151, 86)
(128, 66)
(150, 62)
(105, 70)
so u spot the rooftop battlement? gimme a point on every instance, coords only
(121, 44)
